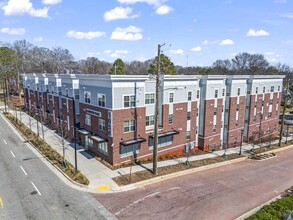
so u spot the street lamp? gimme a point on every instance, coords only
(241, 132)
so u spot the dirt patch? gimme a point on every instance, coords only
(147, 174)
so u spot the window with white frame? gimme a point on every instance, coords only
(149, 98)
(102, 124)
(149, 120)
(187, 135)
(129, 126)
(87, 97)
(103, 148)
(279, 88)
(189, 95)
(101, 100)
(238, 91)
(90, 142)
(67, 92)
(216, 93)
(223, 92)
(214, 128)
(171, 97)
(264, 89)
(188, 116)
(256, 90)
(197, 94)
(88, 119)
(129, 101)
(170, 119)
(272, 88)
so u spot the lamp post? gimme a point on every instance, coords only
(241, 132)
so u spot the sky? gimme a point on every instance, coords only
(195, 32)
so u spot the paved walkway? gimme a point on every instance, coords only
(99, 175)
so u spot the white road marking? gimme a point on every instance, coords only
(142, 199)
(4, 141)
(23, 170)
(36, 188)
(12, 153)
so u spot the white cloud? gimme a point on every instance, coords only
(121, 51)
(130, 33)
(85, 35)
(13, 31)
(156, 3)
(196, 49)
(16, 7)
(281, 1)
(51, 2)
(114, 55)
(288, 15)
(227, 42)
(257, 33)
(38, 39)
(177, 52)
(207, 42)
(107, 51)
(141, 58)
(92, 54)
(119, 13)
(164, 9)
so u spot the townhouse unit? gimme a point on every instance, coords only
(115, 113)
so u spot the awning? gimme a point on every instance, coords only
(133, 141)
(168, 133)
(84, 131)
(98, 138)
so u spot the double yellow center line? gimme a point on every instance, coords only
(1, 203)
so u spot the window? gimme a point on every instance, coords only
(279, 88)
(102, 123)
(150, 98)
(254, 118)
(189, 95)
(162, 141)
(188, 116)
(271, 101)
(216, 93)
(197, 94)
(129, 126)
(187, 135)
(256, 90)
(171, 97)
(67, 92)
(268, 130)
(270, 115)
(149, 120)
(90, 142)
(103, 148)
(101, 100)
(215, 111)
(129, 101)
(88, 120)
(129, 149)
(170, 119)
(223, 92)
(262, 103)
(272, 88)
(237, 107)
(236, 123)
(238, 92)
(197, 112)
(87, 97)
(214, 128)
(264, 89)
(235, 140)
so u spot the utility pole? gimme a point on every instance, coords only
(284, 110)
(74, 135)
(4, 93)
(156, 128)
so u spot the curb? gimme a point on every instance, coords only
(185, 172)
(256, 209)
(20, 135)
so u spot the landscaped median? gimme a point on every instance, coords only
(48, 152)
(279, 209)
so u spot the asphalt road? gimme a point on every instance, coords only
(221, 193)
(30, 190)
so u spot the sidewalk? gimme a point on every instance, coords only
(99, 175)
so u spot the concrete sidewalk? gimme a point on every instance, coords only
(99, 175)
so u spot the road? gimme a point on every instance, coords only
(30, 190)
(225, 192)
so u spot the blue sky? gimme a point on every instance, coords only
(196, 32)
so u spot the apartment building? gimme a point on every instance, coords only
(115, 113)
